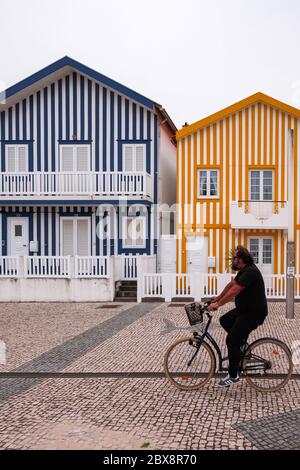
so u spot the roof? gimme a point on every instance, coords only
(253, 99)
(68, 64)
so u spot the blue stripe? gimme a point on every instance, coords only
(75, 103)
(2, 143)
(104, 128)
(38, 130)
(82, 98)
(105, 234)
(112, 134)
(45, 129)
(46, 231)
(126, 119)
(60, 109)
(38, 222)
(97, 236)
(119, 132)
(54, 233)
(97, 128)
(24, 119)
(30, 215)
(89, 110)
(67, 107)
(10, 123)
(30, 164)
(53, 146)
(4, 234)
(148, 152)
(141, 123)
(17, 123)
(134, 121)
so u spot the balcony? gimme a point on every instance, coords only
(88, 185)
(259, 214)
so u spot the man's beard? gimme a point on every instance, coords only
(236, 267)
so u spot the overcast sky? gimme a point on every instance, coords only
(192, 56)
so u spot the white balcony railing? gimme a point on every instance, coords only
(67, 184)
(91, 266)
(9, 266)
(259, 214)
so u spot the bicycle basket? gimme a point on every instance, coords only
(194, 313)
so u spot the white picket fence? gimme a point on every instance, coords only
(200, 285)
(54, 267)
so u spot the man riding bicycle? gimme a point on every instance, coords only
(251, 308)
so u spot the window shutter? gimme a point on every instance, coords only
(82, 238)
(67, 162)
(140, 158)
(68, 239)
(82, 157)
(11, 158)
(22, 163)
(128, 158)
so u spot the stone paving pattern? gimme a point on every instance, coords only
(128, 413)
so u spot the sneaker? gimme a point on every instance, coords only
(228, 381)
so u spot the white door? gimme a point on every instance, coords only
(167, 255)
(18, 236)
(197, 254)
(261, 249)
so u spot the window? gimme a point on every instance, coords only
(74, 158)
(134, 232)
(261, 183)
(208, 183)
(134, 157)
(75, 236)
(261, 250)
(17, 158)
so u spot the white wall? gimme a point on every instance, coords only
(56, 290)
(166, 166)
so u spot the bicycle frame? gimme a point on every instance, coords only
(263, 363)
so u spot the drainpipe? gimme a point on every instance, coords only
(290, 252)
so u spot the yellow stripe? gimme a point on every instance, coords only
(271, 136)
(240, 195)
(283, 147)
(276, 152)
(282, 252)
(177, 205)
(221, 172)
(275, 238)
(259, 134)
(227, 171)
(183, 257)
(234, 158)
(265, 136)
(253, 139)
(208, 131)
(201, 146)
(221, 254)
(195, 180)
(188, 181)
(214, 144)
(214, 234)
(247, 154)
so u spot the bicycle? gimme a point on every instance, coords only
(190, 362)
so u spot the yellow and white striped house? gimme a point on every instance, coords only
(234, 169)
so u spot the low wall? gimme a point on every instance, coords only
(56, 290)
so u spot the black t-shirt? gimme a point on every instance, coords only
(252, 299)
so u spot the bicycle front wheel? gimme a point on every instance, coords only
(189, 366)
(267, 365)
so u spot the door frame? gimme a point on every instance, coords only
(10, 219)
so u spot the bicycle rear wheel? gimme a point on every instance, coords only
(267, 365)
(188, 366)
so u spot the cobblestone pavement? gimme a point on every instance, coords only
(129, 413)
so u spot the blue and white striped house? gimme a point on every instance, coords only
(85, 161)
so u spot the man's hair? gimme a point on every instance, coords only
(243, 254)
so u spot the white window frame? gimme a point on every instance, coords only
(125, 230)
(134, 145)
(261, 184)
(208, 170)
(74, 233)
(74, 146)
(16, 146)
(260, 249)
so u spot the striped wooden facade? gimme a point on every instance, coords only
(68, 103)
(252, 134)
